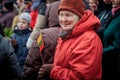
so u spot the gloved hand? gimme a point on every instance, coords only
(13, 42)
(29, 43)
(44, 71)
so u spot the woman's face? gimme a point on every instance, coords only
(67, 20)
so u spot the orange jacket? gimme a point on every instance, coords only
(79, 56)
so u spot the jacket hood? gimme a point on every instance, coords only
(87, 22)
(19, 32)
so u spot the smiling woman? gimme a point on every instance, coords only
(67, 20)
(78, 46)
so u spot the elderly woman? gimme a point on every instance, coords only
(79, 50)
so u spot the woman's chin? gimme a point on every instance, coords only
(66, 29)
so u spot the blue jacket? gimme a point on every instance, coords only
(21, 37)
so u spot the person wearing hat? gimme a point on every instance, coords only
(7, 17)
(78, 54)
(20, 36)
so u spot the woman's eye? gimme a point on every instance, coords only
(60, 15)
(68, 15)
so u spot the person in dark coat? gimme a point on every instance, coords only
(9, 66)
(104, 17)
(111, 45)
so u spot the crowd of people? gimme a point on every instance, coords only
(59, 40)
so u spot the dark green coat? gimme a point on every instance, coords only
(111, 50)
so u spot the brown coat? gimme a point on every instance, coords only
(35, 59)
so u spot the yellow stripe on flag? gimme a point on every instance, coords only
(40, 42)
(39, 39)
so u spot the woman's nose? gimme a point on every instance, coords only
(63, 18)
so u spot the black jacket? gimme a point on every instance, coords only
(9, 67)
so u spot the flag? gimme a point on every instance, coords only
(40, 42)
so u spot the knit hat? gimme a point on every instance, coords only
(76, 6)
(25, 16)
(8, 5)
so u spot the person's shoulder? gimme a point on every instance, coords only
(50, 30)
(50, 33)
(10, 15)
(90, 34)
(3, 42)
